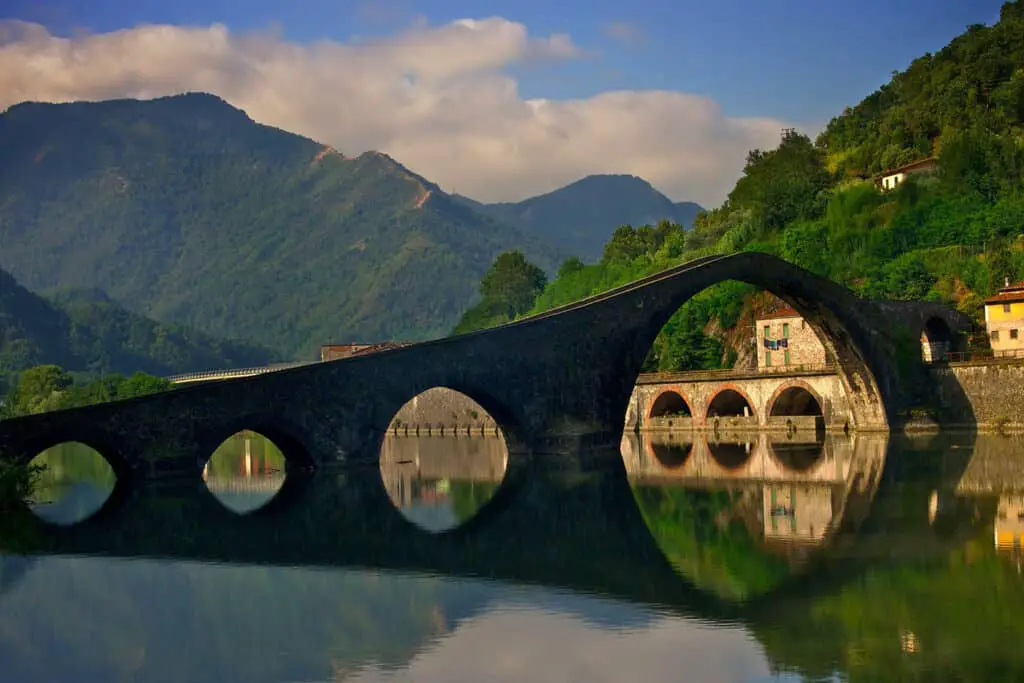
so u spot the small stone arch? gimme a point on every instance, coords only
(937, 339)
(728, 397)
(670, 402)
(790, 398)
(96, 439)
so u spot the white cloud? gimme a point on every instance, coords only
(527, 644)
(439, 99)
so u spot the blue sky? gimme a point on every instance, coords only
(801, 60)
(537, 96)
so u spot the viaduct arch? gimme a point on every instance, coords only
(556, 383)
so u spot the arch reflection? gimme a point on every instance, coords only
(74, 483)
(740, 532)
(442, 459)
(246, 472)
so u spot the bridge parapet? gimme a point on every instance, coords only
(214, 375)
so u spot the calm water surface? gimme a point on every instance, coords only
(748, 558)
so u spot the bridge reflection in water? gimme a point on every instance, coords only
(735, 532)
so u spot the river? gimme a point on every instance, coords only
(757, 559)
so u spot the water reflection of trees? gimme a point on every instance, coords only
(707, 536)
(956, 617)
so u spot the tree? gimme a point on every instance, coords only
(783, 184)
(512, 284)
(508, 289)
(38, 390)
(569, 266)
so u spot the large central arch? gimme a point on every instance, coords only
(856, 334)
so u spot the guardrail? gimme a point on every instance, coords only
(212, 375)
(753, 372)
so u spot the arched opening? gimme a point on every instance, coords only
(670, 404)
(729, 403)
(731, 455)
(443, 459)
(936, 340)
(796, 400)
(671, 454)
(73, 482)
(245, 472)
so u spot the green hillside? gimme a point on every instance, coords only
(581, 216)
(187, 211)
(86, 332)
(953, 236)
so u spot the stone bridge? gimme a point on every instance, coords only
(556, 383)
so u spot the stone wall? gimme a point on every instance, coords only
(987, 394)
(440, 406)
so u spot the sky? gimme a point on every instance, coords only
(492, 99)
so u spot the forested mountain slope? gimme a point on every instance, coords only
(86, 332)
(185, 210)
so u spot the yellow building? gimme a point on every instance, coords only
(1004, 320)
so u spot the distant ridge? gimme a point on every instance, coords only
(580, 217)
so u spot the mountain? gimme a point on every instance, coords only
(185, 210)
(86, 331)
(580, 217)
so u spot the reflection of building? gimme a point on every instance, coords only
(784, 339)
(1009, 528)
(1004, 319)
(794, 512)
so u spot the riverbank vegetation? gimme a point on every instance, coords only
(952, 236)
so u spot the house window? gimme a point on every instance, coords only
(785, 357)
(785, 330)
(994, 336)
(1013, 333)
(767, 331)
(1006, 308)
(767, 358)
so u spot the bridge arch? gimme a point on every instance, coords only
(670, 402)
(437, 484)
(730, 400)
(855, 333)
(90, 436)
(796, 397)
(276, 429)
